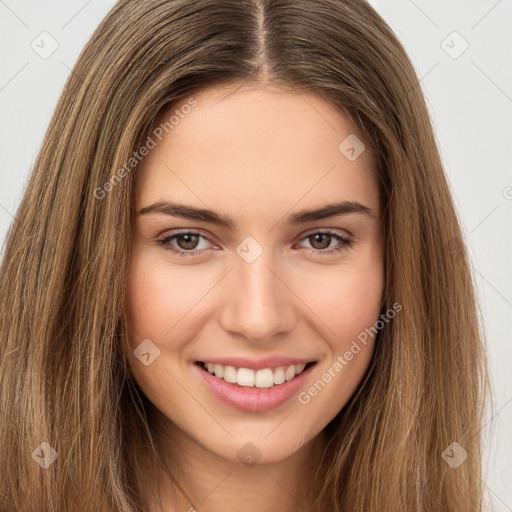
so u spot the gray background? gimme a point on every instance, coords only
(469, 94)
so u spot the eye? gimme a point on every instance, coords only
(189, 243)
(321, 240)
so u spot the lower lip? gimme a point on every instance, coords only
(253, 399)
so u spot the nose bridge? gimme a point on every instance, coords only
(258, 304)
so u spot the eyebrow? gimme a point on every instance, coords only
(301, 217)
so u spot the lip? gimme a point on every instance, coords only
(256, 364)
(252, 399)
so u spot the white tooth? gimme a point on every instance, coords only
(230, 374)
(245, 377)
(264, 378)
(219, 371)
(290, 372)
(279, 375)
(299, 368)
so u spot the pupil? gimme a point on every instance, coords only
(188, 241)
(323, 244)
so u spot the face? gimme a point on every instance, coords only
(231, 266)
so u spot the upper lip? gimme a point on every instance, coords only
(256, 364)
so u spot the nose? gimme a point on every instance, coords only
(259, 304)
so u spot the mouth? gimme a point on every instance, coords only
(264, 378)
(254, 391)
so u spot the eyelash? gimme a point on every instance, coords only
(344, 243)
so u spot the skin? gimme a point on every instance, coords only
(255, 154)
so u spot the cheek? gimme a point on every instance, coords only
(359, 303)
(162, 300)
(347, 304)
(345, 301)
(148, 303)
(157, 301)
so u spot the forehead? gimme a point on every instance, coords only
(256, 146)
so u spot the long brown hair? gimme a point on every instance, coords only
(63, 378)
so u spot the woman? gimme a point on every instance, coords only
(237, 278)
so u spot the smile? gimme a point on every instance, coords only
(263, 378)
(254, 390)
